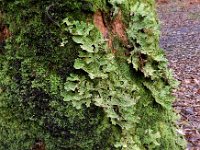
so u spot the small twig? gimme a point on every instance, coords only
(49, 16)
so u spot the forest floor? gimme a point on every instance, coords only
(180, 38)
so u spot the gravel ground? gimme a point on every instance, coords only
(180, 38)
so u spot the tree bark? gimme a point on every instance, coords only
(84, 75)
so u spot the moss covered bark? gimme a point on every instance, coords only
(85, 75)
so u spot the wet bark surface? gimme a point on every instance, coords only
(180, 38)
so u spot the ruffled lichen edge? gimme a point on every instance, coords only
(32, 79)
(133, 89)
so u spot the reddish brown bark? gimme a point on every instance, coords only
(112, 29)
(4, 33)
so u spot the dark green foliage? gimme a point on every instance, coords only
(60, 82)
(34, 68)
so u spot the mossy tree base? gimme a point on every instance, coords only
(85, 75)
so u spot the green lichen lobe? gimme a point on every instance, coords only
(133, 91)
(62, 83)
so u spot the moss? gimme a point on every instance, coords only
(62, 83)
(34, 67)
(98, 5)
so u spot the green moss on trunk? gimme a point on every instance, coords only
(85, 75)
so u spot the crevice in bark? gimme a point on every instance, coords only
(111, 28)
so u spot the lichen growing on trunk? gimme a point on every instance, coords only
(85, 75)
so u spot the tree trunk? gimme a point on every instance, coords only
(85, 75)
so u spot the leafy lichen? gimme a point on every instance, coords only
(73, 87)
(111, 81)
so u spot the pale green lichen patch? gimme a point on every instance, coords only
(98, 81)
(135, 90)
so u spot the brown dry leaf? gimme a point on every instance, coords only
(198, 92)
(187, 81)
(194, 1)
(162, 1)
(196, 81)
